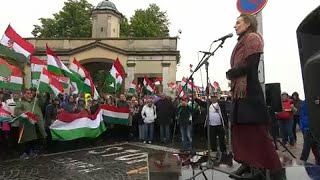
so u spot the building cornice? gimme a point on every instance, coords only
(70, 52)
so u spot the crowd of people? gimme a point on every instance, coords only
(295, 112)
(155, 114)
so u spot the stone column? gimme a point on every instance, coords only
(130, 73)
(165, 76)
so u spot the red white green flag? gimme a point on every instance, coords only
(70, 126)
(50, 83)
(133, 87)
(85, 76)
(149, 85)
(14, 81)
(14, 41)
(5, 70)
(5, 115)
(36, 68)
(158, 81)
(30, 116)
(116, 75)
(56, 66)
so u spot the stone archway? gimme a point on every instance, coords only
(98, 69)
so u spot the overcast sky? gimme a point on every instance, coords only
(201, 22)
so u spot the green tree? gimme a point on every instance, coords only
(124, 27)
(74, 20)
(151, 22)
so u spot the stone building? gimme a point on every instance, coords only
(153, 57)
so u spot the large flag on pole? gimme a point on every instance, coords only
(56, 66)
(14, 81)
(116, 75)
(133, 87)
(36, 68)
(14, 41)
(149, 85)
(5, 70)
(5, 115)
(49, 83)
(158, 81)
(84, 75)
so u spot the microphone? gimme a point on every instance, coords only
(224, 37)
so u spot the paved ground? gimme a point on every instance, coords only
(109, 162)
(127, 161)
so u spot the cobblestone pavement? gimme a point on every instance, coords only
(125, 161)
(122, 161)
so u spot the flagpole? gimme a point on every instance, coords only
(35, 98)
(115, 92)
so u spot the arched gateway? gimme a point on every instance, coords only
(151, 57)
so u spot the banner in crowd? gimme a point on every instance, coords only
(70, 126)
(5, 115)
(14, 81)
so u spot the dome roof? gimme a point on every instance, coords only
(106, 4)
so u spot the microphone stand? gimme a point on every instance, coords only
(204, 61)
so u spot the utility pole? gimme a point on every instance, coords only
(261, 72)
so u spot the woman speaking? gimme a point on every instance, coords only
(251, 144)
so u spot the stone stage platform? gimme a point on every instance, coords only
(127, 161)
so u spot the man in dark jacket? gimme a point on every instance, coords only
(165, 110)
(185, 125)
(51, 113)
(122, 131)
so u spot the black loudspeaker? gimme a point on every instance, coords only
(273, 96)
(308, 36)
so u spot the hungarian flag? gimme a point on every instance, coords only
(27, 117)
(148, 85)
(14, 81)
(30, 116)
(14, 41)
(216, 84)
(36, 68)
(172, 86)
(65, 81)
(5, 115)
(189, 83)
(181, 92)
(116, 75)
(84, 75)
(158, 81)
(69, 126)
(132, 87)
(49, 83)
(5, 70)
(56, 66)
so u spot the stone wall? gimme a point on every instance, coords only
(139, 57)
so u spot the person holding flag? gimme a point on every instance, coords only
(28, 112)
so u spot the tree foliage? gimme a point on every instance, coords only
(74, 20)
(151, 22)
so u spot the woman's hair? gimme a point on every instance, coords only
(295, 94)
(252, 20)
